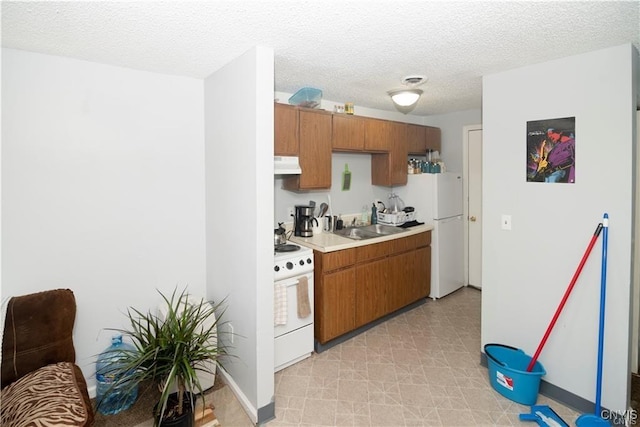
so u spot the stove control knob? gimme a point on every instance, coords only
(276, 268)
(309, 261)
(289, 265)
(302, 262)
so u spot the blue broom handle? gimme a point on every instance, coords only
(603, 293)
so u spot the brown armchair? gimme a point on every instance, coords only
(41, 384)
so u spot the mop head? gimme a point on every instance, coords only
(587, 420)
(544, 416)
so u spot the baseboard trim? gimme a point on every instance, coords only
(251, 410)
(266, 413)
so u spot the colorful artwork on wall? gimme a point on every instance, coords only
(551, 147)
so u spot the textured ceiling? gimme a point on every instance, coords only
(352, 50)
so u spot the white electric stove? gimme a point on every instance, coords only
(293, 335)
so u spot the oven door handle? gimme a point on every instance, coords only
(292, 281)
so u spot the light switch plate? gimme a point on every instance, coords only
(506, 222)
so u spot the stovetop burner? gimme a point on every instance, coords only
(291, 261)
(287, 247)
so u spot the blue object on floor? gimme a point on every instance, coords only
(588, 420)
(508, 373)
(544, 416)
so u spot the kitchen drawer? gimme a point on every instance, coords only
(423, 239)
(373, 251)
(404, 244)
(293, 347)
(330, 261)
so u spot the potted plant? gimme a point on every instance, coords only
(170, 350)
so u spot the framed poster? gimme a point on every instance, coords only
(551, 146)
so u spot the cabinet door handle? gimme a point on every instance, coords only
(472, 219)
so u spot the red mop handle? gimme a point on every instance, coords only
(565, 297)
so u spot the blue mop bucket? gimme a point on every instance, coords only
(508, 373)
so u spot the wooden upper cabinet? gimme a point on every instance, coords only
(390, 168)
(422, 138)
(285, 142)
(416, 139)
(314, 132)
(399, 154)
(378, 135)
(348, 133)
(433, 139)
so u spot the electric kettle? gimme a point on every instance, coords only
(279, 235)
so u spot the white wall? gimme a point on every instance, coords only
(526, 271)
(239, 217)
(635, 294)
(102, 188)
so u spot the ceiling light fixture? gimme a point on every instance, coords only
(405, 100)
(405, 97)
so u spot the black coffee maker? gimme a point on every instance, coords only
(303, 221)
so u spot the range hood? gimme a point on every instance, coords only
(286, 165)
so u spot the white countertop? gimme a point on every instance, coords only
(329, 242)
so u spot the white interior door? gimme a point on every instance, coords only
(473, 187)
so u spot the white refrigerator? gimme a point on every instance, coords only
(437, 199)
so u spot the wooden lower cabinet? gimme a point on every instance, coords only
(401, 283)
(354, 287)
(371, 292)
(335, 301)
(422, 271)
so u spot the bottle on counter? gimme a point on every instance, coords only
(374, 214)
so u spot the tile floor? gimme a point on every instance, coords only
(421, 368)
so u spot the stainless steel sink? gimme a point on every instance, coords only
(382, 229)
(356, 233)
(368, 231)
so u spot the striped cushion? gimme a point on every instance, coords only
(48, 396)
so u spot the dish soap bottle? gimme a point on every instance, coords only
(374, 214)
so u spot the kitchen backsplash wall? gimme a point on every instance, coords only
(342, 202)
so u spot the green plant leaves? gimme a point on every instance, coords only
(170, 350)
